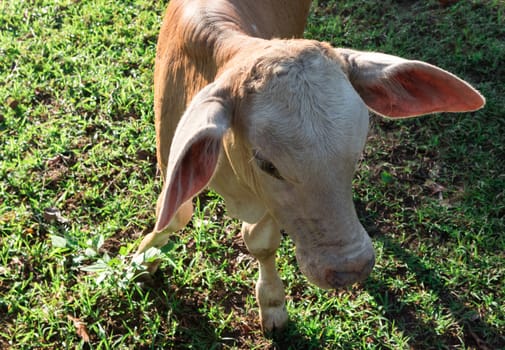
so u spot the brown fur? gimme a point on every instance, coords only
(198, 39)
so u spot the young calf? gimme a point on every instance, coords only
(276, 127)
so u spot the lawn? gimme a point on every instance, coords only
(78, 186)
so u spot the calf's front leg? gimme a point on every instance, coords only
(262, 240)
(159, 238)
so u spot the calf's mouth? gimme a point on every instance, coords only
(331, 266)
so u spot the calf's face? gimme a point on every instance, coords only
(299, 120)
(305, 127)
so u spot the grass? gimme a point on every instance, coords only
(78, 186)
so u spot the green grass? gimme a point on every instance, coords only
(78, 186)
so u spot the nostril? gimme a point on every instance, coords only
(338, 279)
(341, 279)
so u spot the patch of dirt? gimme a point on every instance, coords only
(112, 244)
(57, 168)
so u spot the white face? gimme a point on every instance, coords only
(307, 127)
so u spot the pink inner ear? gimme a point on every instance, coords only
(191, 176)
(417, 90)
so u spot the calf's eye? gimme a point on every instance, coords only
(266, 165)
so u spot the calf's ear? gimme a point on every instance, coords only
(399, 88)
(195, 149)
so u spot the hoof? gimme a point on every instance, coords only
(144, 279)
(274, 318)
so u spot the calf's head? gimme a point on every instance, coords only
(298, 113)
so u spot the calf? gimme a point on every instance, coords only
(276, 124)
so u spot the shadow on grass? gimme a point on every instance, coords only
(477, 333)
(196, 330)
(180, 308)
(293, 338)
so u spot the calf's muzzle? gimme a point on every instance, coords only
(331, 267)
(338, 279)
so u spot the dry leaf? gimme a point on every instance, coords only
(80, 328)
(53, 214)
